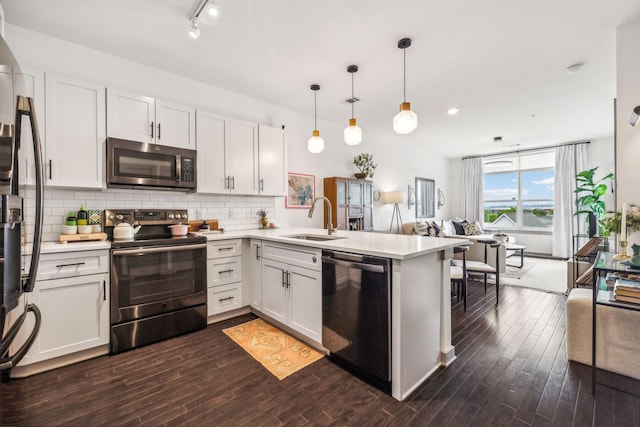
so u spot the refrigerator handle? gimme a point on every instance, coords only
(26, 107)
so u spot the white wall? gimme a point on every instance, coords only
(398, 164)
(628, 96)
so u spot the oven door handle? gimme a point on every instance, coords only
(144, 251)
(358, 265)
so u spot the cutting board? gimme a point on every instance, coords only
(195, 225)
(64, 238)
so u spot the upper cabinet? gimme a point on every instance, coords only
(239, 157)
(140, 118)
(75, 129)
(272, 151)
(30, 83)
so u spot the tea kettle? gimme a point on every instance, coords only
(125, 231)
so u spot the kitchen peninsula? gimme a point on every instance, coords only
(420, 291)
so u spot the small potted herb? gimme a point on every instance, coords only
(364, 163)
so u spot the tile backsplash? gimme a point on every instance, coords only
(232, 212)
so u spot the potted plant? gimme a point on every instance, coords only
(364, 163)
(591, 203)
(613, 221)
(262, 213)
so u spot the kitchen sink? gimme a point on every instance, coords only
(314, 237)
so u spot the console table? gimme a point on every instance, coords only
(603, 295)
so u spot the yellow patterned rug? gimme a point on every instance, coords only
(277, 351)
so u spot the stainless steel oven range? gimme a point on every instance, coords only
(158, 282)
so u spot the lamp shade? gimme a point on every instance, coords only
(406, 120)
(352, 133)
(392, 197)
(316, 143)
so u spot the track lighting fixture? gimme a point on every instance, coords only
(406, 120)
(194, 30)
(635, 116)
(352, 133)
(316, 143)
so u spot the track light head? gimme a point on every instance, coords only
(635, 116)
(213, 9)
(194, 30)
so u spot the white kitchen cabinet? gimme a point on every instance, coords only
(224, 276)
(272, 151)
(254, 260)
(145, 119)
(292, 290)
(75, 129)
(211, 131)
(30, 83)
(241, 157)
(72, 293)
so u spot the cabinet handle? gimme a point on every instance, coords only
(257, 251)
(233, 182)
(262, 184)
(151, 130)
(50, 169)
(288, 279)
(226, 182)
(70, 265)
(158, 131)
(225, 299)
(225, 249)
(225, 271)
(104, 290)
(283, 277)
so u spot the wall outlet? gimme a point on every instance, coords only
(199, 214)
(232, 214)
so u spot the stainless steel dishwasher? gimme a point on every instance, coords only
(356, 309)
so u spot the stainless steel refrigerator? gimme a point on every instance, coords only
(16, 277)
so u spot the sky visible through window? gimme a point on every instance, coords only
(536, 185)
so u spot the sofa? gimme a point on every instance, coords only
(476, 251)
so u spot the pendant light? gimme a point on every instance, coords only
(352, 133)
(406, 120)
(316, 143)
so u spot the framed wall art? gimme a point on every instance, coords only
(301, 190)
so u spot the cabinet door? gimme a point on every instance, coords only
(176, 125)
(76, 132)
(305, 301)
(211, 137)
(368, 206)
(30, 83)
(255, 270)
(75, 315)
(356, 198)
(274, 292)
(130, 116)
(241, 152)
(271, 161)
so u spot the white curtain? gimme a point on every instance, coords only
(570, 159)
(472, 189)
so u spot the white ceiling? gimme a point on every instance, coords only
(502, 62)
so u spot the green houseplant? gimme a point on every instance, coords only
(591, 200)
(364, 163)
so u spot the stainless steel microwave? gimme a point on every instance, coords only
(132, 164)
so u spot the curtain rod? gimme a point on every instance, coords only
(526, 150)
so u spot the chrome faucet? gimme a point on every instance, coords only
(330, 228)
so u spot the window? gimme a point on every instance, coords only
(518, 191)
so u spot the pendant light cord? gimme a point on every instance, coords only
(404, 76)
(352, 101)
(315, 110)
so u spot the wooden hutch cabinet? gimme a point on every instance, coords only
(352, 202)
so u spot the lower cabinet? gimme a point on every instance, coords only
(72, 293)
(292, 294)
(224, 276)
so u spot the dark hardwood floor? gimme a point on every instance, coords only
(511, 369)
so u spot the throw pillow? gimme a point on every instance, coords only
(447, 228)
(459, 226)
(437, 231)
(472, 229)
(422, 228)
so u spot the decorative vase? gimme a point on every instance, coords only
(360, 175)
(264, 221)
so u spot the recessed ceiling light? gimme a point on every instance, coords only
(574, 68)
(453, 111)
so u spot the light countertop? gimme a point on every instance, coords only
(397, 246)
